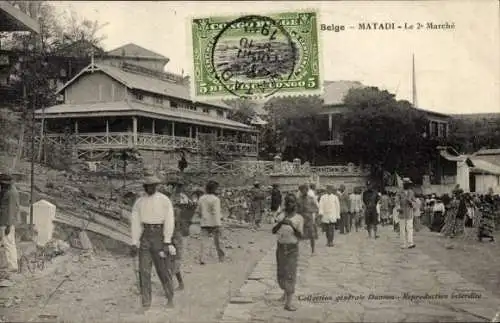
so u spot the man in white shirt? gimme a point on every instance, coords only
(329, 212)
(152, 226)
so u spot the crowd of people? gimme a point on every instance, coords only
(161, 217)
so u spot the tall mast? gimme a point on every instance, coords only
(414, 83)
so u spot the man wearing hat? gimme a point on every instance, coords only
(9, 214)
(407, 204)
(152, 226)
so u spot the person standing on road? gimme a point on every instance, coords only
(210, 215)
(345, 217)
(329, 213)
(257, 205)
(276, 200)
(356, 208)
(9, 218)
(385, 208)
(487, 210)
(152, 226)
(181, 210)
(289, 230)
(407, 204)
(307, 207)
(370, 200)
(417, 213)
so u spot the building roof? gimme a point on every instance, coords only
(133, 50)
(145, 83)
(449, 153)
(13, 19)
(483, 167)
(335, 91)
(130, 108)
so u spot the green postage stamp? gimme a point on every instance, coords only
(256, 56)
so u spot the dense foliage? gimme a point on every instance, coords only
(388, 134)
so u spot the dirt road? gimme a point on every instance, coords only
(103, 289)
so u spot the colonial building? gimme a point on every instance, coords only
(470, 172)
(125, 99)
(333, 107)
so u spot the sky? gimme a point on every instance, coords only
(457, 70)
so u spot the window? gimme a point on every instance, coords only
(173, 104)
(220, 113)
(139, 96)
(205, 110)
(158, 100)
(192, 108)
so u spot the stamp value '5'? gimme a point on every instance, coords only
(256, 56)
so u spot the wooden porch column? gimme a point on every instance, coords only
(76, 126)
(107, 131)
(190, 131)
(134, 129)
(196, 132)
(153, 130)
(221, 132)
(330, 126)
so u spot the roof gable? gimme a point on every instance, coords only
(133, 50)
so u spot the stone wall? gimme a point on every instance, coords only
(290, 182)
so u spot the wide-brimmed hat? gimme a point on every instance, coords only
(151, 180)
(407, 180)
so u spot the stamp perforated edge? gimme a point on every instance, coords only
(277, 94)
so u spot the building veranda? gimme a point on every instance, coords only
(113, 104)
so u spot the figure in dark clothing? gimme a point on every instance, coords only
(183, 164)
(370, 200)
(487, 209)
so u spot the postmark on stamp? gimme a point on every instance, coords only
(256, 56)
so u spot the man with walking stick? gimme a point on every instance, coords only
(152, 226)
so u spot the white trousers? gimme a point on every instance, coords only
(406, 231)
(9, 244)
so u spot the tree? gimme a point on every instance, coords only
(293, 127)
(30, 76)
(470, 133)
(243, 110)
(385, 133)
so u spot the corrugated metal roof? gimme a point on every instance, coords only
(133, 50)
(481, 166)
(148, 84)
(124, 106)
(446, 155)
